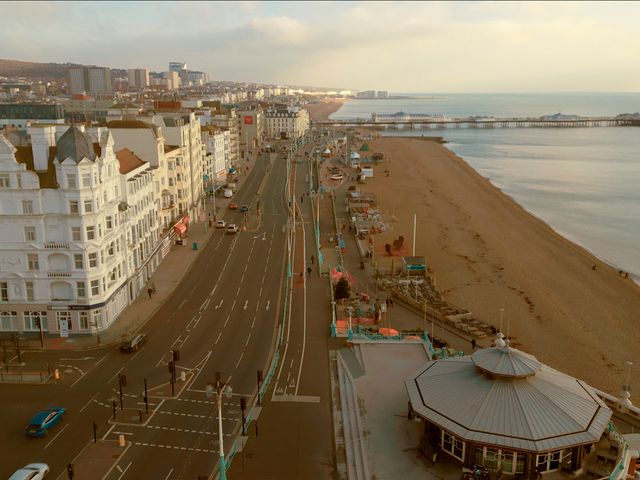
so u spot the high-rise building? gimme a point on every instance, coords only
(172, 80)
(138, 78)
(177, 66)
(76, 80)
(89, 79)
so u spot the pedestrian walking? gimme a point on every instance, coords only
(149, 291)
(473, 343)
(309, 271)
(312, 259)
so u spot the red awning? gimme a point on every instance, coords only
(180, 228)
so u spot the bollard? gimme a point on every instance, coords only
(183, 376)
(56, 374)
(140, 415)
(121, 441)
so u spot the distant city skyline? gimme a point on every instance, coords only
(461, 47)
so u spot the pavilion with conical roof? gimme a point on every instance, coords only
(503, 409)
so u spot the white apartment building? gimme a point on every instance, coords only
(286, 121)
(148, 143)
(226, 120)
(80, 230)
(216, 143)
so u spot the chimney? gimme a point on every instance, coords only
(42, 137)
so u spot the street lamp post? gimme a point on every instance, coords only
(220, 388)
(95, 324)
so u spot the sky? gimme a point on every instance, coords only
(453, 47)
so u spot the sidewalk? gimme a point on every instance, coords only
(166, 278)
(96, 460)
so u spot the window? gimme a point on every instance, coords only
(97, 317)
(452, 445)
(81, 290)
(73, 206)
(93, 260)
(30, 234)
(88, 206)
(27, 207)
(83, 318)
(29, 291)
(4, 291)
(72, 180)
(86, 180)
(109, 222)
(111, 249)
(78, 261)
(91, 232)
(4, 180)
(31, 321)
(32, 261)
(76, 236)
(95, 287)
(8, 320)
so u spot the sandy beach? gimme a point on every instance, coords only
(489, 253)
(322, 110)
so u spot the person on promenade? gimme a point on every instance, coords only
(309, 271)
(150, 292)
(312, 259)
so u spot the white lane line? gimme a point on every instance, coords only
(240, 359)
(268, 303)
(87, 404)
(124, 471)
(246, 304)
(227, 320)
(219, 305)
(242, 278)
(218, 339)
(81, 377)
(136, 354)
(304, 305)
(108, 431)
(205, 304)
(116, 374)
(101, 360)
(168, 474)
(183, 302)
(234, 305)
(57, 435)
(248, 338)
(119, 469)
(253, 322)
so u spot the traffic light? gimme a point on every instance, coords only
(37, 322)
(176, 355)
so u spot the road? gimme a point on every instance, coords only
(221, 317)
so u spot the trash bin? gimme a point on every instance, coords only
(195, 245)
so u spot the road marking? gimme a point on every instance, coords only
(122, 433)
(81, 377)
(187, 430)
(205, 304)
(57, 435)
(87, 404)
(124, 471)
(183, 302)
(168, 474)
(204, 450)
(246, 304)
(116, 374)
(248, 338)
(119, 469)
(268, 303)
(136, 354)
(238, 291)
(79, 359)
(233, 305)
(101, 360)
(240, 359)
(227, 320)
(218, 339)
(219, 305)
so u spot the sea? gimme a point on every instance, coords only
(583, 182)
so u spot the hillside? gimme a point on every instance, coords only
(53, 71)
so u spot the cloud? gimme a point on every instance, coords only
(397, 46)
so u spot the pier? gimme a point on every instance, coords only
(420, 124)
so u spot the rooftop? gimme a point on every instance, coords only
(129, 161)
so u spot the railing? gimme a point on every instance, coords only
(619, 469)
(56, 245)
(59, 274)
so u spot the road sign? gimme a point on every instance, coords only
(64, 328)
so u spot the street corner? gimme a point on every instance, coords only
(96, 460)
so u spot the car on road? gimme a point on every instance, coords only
(232, 228)
(33, 471)
(244, 209)
(221, 224)
(134, 344)
(42, 421)
(233, 206)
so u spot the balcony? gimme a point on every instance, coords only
(56, 245)
(58, 274)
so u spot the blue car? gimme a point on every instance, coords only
(42, 421)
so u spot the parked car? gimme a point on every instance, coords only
(244, 209)
(134, 344)
(33, 471)
(232, 228)
(233, 206)
(42, 421)
(221, 224)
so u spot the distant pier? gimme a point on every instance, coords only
(420, 124)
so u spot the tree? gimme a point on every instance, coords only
(342, 289)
